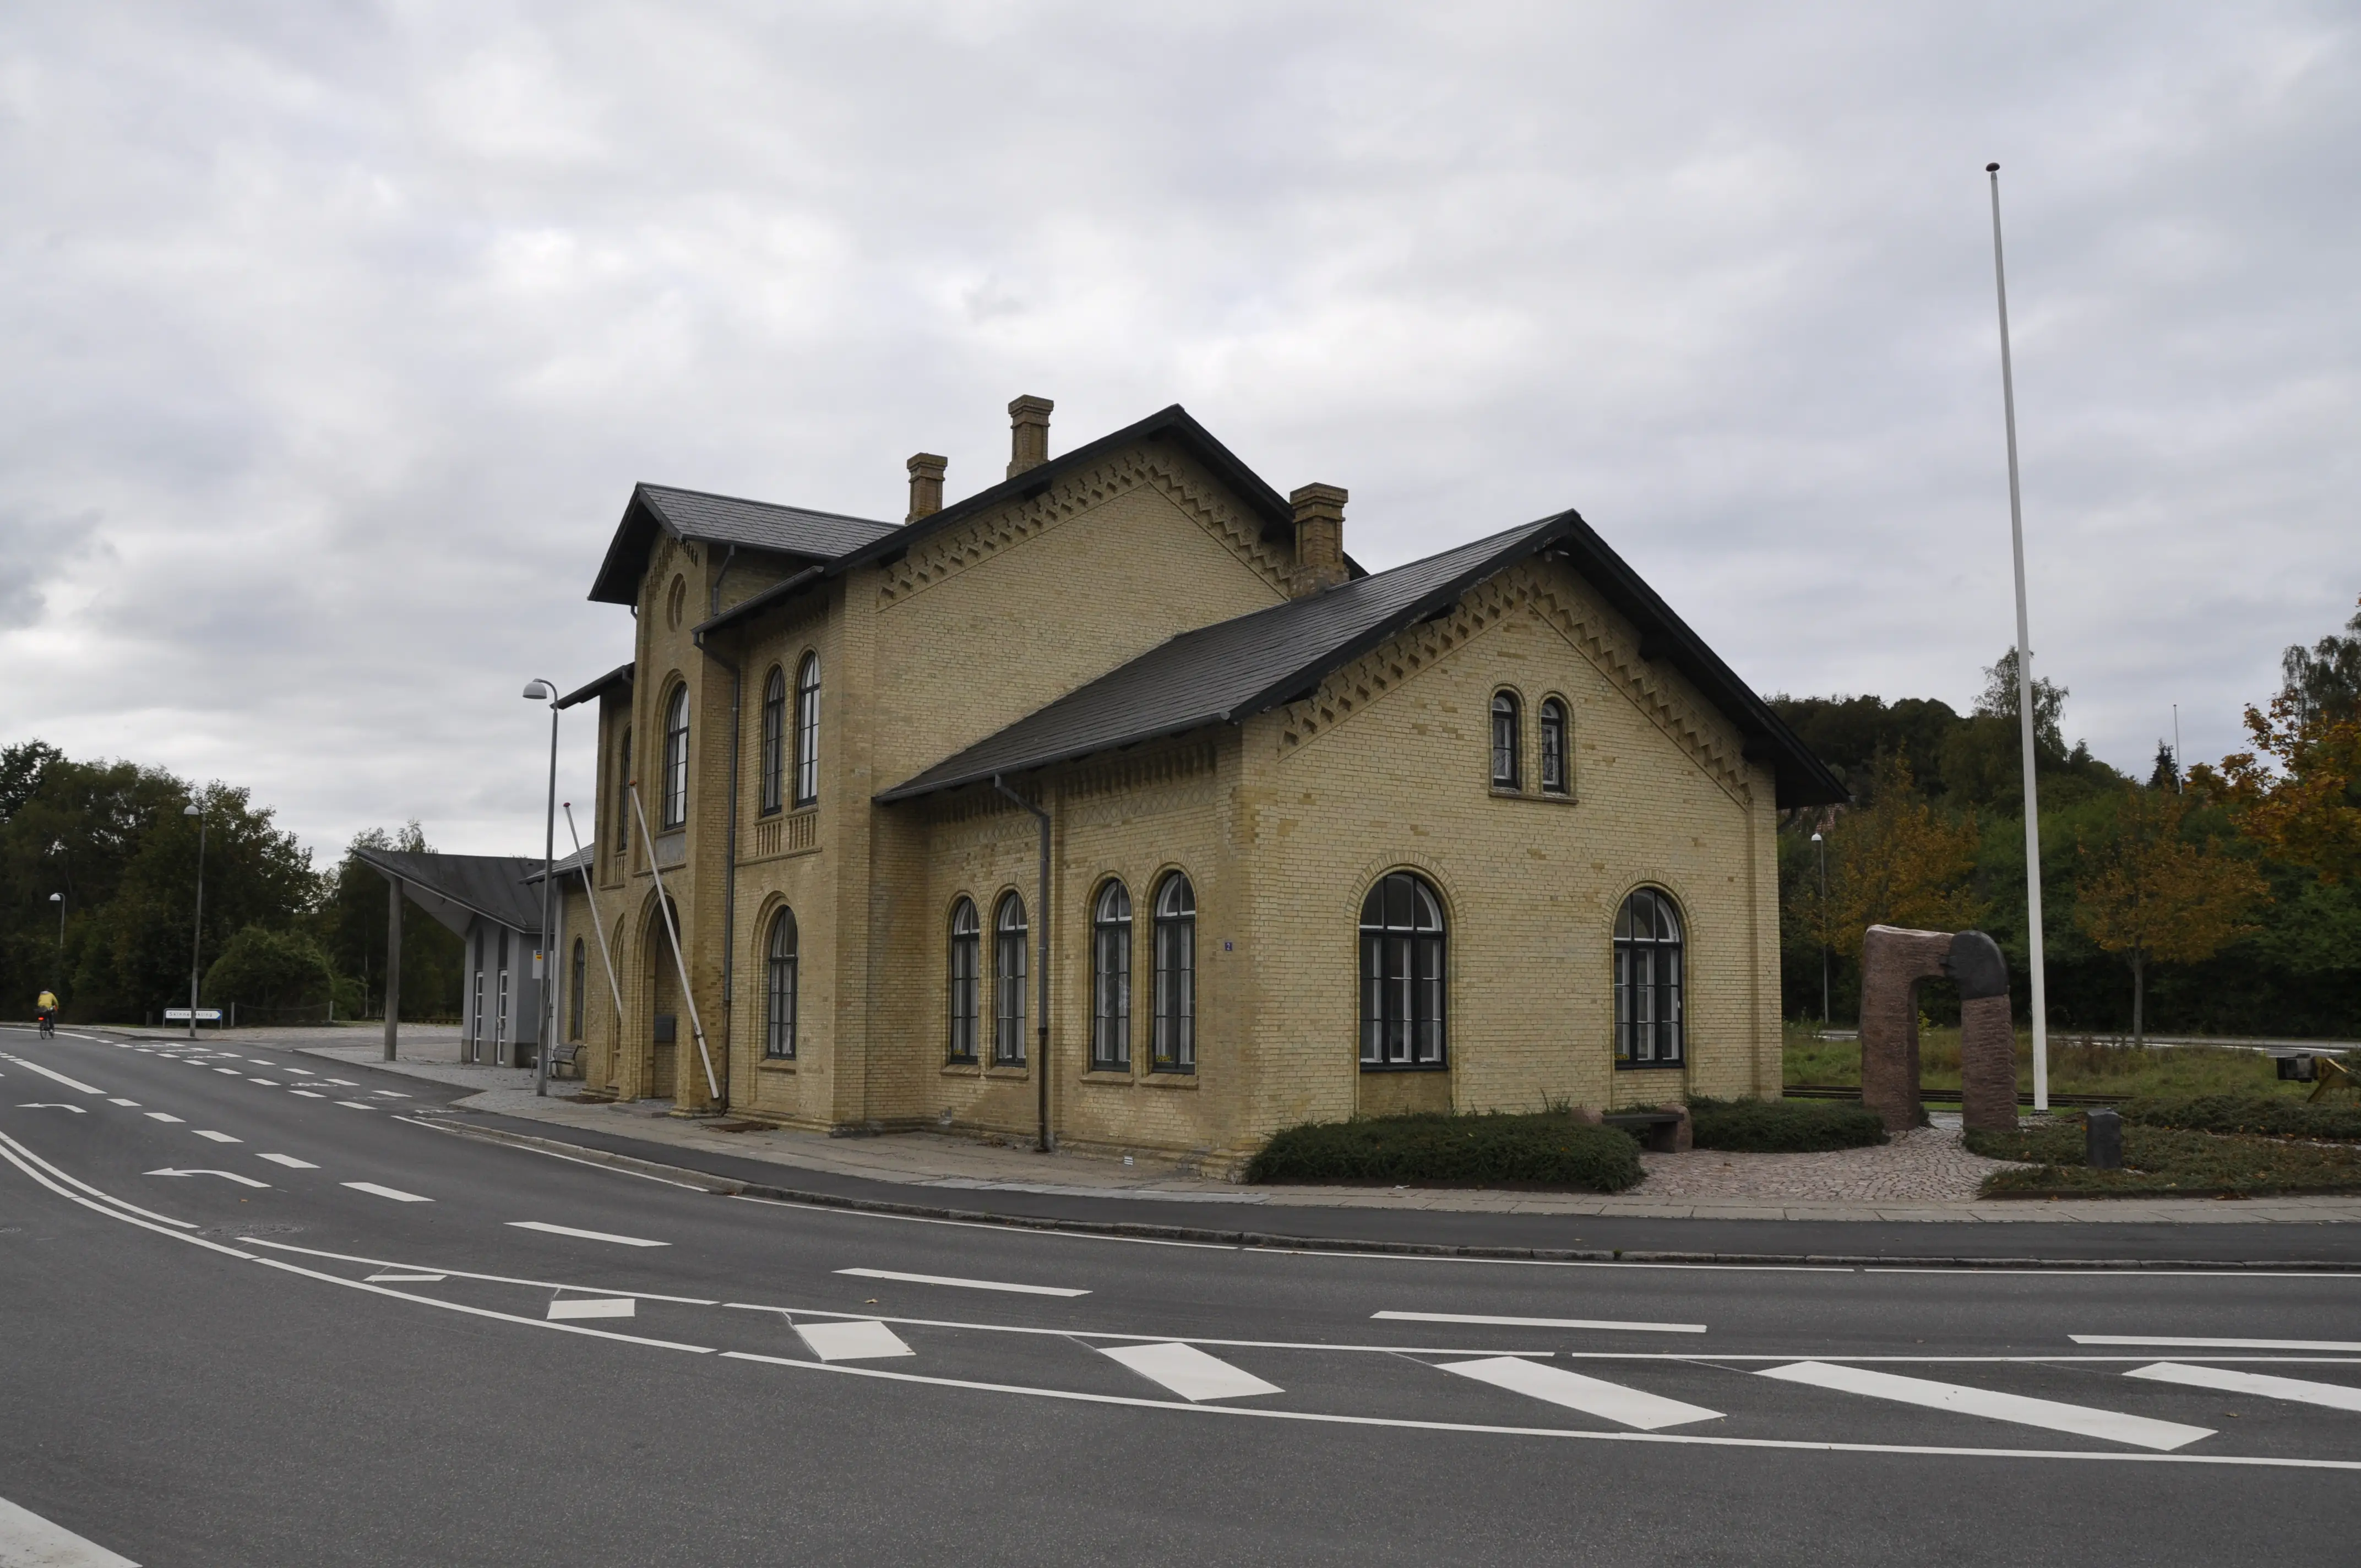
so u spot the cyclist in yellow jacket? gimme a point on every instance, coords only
(48, 1014)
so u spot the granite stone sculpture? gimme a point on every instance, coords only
(1893, 961)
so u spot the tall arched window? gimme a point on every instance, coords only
(774, 739)
(622, 792)
(1402, 974)
(966, 974)
(675, 759)
(1175, 1049)
(1555, 774)
(779, 1010)
(1008, 976)
(808, 730)
(1111, 980)
(574, 1004)
(1648, 962)
(1504, 740)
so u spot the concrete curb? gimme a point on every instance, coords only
(730, 1187)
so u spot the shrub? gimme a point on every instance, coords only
(1783, 1126)
(2275, 1115)
(270, 968)
(1493, 1150)
(2163, 1161)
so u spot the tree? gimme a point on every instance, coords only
(2150, 893)
(2166, 772)
(352, 930)
(2325, 680)
(272, 972)
(22, 768)
(1897, 861)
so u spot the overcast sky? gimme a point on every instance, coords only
(333, 338)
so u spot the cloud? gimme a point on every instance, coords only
(341, 333)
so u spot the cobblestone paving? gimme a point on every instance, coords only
(1925, 1163)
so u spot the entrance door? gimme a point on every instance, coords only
(668, 1018)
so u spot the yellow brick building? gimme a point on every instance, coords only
(1116, 805)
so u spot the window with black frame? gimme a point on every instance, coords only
(808, 730)
(1647, 979)
(1505, 769)
(1111, 980)
(966, 980)
(1401, 976)
(1009, 966)
(774, 739)
(675, 759)
(1555, 774)
(779, 1011)
(1176, 977)
(624, 833)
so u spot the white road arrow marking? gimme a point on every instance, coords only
(225, 1175)
(50, 1105)
(1591, 1396)
(860, 1338)
(2079, 1419)
(2335, 1395)
(1188, 1371)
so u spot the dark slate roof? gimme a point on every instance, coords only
(721, 519)
(566, 864)
(1173, 424)
(1230, 670)
(619, 675)
(453, 887)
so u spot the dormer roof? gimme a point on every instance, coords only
(709, 519)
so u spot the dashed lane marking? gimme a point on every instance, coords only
(1591, 1396)
(306, 1093)
(959, 1283)
(1539, 1323)
(133, 1104)
(28, 1538)
(268, 1082)
(216, 1138)
(1188, 1371)
(396, 1194)
(862, 1339)
(162, 1116)
(2110, 1426)
(289, 1160)
(355, 1104)
(615, 1307)
(2335, 1395)
(546, 1227)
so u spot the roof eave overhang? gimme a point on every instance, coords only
(756, 603)
(622, 675)
(913, 789)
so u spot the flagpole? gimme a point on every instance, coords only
(2024, 678)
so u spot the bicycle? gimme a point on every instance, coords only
(48, 1026)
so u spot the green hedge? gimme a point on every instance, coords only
(1783, 1126)
(2277, 1115)
(1492, 1150)
(2163, 1161)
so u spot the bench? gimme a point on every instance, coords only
(1659, 1132)
(564, 1057)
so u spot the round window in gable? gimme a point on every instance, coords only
(676, 602)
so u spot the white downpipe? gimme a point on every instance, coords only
(680, 966)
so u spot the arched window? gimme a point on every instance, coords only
(808, 730)
(774, 739)
(622, 792)
(1008, 976)
(1175, 1048)
(1111, 980)
(1402, 974)
(779, 1011)
(675, 759)
(1554, 756)
(1647, 981)
(967, 968)
(575, 980)
(1504, 740)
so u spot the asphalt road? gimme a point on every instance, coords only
(258, 1311)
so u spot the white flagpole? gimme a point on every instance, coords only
(591, 895)
(680, 965)
(2024, 679)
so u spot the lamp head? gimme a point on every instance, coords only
(1815, 837)
(57, 898)
(191, 809)
(540, 691)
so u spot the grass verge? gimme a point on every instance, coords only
(1541, 1150)
(1783, 1126)
(2076, 1067)
(2164, 1162)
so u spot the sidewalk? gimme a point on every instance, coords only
(1925, 1176)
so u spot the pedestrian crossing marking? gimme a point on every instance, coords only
(2055, 1416)
(1189, 1372)
(1591, 1396)
(860, 1338)
(2335, 1395)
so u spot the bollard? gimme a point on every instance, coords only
(2103, 1143)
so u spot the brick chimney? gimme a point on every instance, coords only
(1028, 433)
(1319, 539)
(926, 485)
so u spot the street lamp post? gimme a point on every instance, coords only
(542, 691)
(1821, 845)
(60, 900)
(197, 925)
